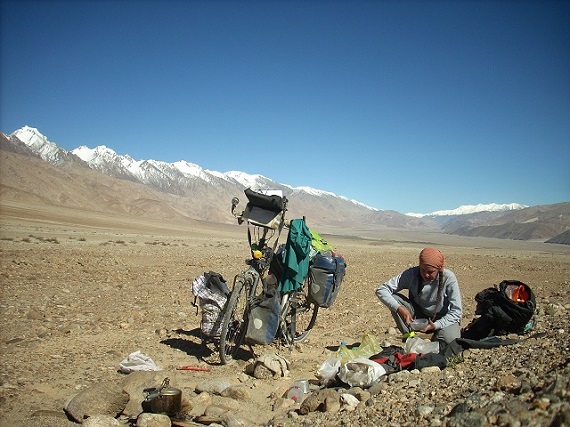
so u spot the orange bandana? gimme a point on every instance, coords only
(432, 257)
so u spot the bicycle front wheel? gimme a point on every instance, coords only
(234, 323)
(300, 316)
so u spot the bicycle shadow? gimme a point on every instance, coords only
(204, 350)
(192, 347)
(193, 333)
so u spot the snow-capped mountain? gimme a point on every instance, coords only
(40, 145)
(170, 177)
(471, 209)
(181, 176)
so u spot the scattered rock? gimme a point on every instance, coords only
(102, 421)
(34, 314)
(348, 402)
(215, 386)
(509, 383)
(153, 420)
(315, 401)
(270, 366)
(237, 392)
(100, 399)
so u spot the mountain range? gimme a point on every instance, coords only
(38, 170)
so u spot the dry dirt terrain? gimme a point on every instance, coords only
(82, 291)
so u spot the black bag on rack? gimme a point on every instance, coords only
(272, 203)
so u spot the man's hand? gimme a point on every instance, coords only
(405, 315)
(430, 327)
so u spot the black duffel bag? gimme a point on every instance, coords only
(508, 308)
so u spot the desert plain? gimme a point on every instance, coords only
(80, 291)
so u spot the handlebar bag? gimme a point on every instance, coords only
(262, 217)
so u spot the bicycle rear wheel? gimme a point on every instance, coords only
(234, 323)
(300, 316)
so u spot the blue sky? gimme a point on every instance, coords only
(414, 106)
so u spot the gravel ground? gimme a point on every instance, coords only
(76, 300)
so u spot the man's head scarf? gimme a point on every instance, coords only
(432, 257)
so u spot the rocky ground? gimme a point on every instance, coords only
(77, 299)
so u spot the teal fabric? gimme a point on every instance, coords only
(296, 262)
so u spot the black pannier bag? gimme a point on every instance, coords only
(508, 308)
(326, 273)
(263, 320)
(271, 203)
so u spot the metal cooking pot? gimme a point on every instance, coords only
(163, 400)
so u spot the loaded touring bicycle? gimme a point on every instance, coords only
(258, 309)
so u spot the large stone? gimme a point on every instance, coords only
(48, 418)
(509, 383)
(215, 386)
(270, 366)
(153, 420)
(348, 402)
(100, 399)
(316, 401)
(101, 421)
(237, 392)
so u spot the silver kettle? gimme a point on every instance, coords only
(163, 400)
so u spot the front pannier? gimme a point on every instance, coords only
(326, 273)
(263, 319)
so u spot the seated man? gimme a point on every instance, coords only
(433, 294)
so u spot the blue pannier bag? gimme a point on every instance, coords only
(326, 273)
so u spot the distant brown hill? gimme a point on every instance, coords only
(26, 178)
(545, 222)
(562, 238)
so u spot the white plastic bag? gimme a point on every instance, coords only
(138, 361)
(420, 346)
(328, 370)
(361, 372)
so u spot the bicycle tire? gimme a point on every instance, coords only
(300, 316)
(234, 323)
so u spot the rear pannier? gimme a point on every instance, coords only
(326, 273)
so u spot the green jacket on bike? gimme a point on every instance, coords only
(296, 262)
